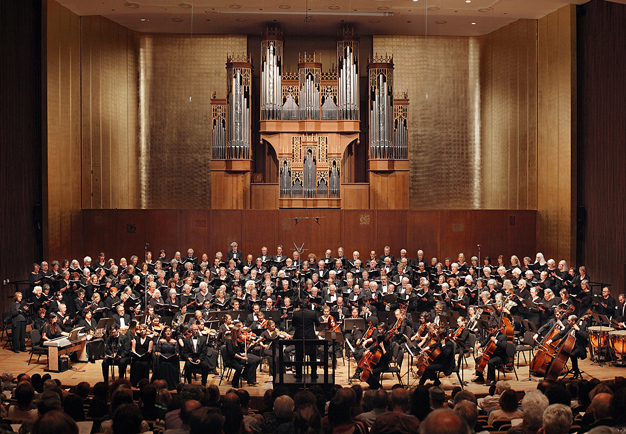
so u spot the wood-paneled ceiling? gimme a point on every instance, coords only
(317, 17)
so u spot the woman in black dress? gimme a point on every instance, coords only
(141, 355)
(385, 345)
(167, 366)
(241, 361)
(51, 330)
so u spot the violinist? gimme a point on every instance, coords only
(379, 341)
(268, 339)
(498, 356)
(422, 327)
(443, 362)
(253, 317)
(582, 339)
(226, 326)
(402, 329)
(325, 318)
(260, 323)
(239, 359)
(472, 319)
(462, 333)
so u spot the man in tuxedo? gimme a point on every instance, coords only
(117, 352)
(620, 309)
(582, 340)
(197, 354)
(234, 254)
(121, 319)
(304, 323)
(498, 356)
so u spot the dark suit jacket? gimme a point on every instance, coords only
(121, 346)
(16, 314)
(201, 350)
(582, 339)
(304, 323)
(116, 318)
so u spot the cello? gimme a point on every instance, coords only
(505, 327)
(545, 353)
(563, 353)
(428, 356)
(369, 361)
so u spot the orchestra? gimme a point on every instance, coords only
(187, 309)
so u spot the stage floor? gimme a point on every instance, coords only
(92, 373)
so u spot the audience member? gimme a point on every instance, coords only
(397, 420)
(492, 400)
(508, 408)
(557, 419)
(55, 422)
(601, 410)
(443, 421)
(380, 402)
(24, 394)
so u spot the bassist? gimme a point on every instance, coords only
(580, 347)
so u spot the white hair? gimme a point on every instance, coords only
(87, 259)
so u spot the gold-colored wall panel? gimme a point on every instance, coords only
(556, 177)
(177, 75)
(508, 89)
(62, 165)
(441, 77)
(109, 115)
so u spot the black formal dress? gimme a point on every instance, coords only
(241, 367)
(140, 365)
(167, 366)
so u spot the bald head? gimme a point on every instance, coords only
(600, 405)
(444, 421)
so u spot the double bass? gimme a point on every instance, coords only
(563, 353)
(545, 353)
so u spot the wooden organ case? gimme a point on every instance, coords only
(388, 138)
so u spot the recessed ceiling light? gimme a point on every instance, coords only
(433, 8)
(468, 1)
(308, 19)
(284, 6)
(473, 24)
(383, 8)
(414, 0)
(145, 19)
(177, 20)
(132, 5)
(485, 9)
(440, 22)
(184, 5)
(234, 6)
(333, 7)
(240, 20)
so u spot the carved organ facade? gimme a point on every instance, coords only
(309, 118)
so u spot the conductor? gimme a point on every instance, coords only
(304, 322)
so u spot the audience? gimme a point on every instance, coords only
(193, 409)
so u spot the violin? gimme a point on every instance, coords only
(333, 326)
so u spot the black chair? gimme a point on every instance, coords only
(456, 366)
(7, 329)
(527, 346)
(37, 347)
(393, 369)
(226, 370)
(509, 365)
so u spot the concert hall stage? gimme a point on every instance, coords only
(92, 373)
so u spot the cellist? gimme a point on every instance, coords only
(361, 344)
(582, 339)
(497, 357)
(545, 329)
(442, 362)
(384, 344)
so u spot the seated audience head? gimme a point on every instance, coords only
(204, 420)
(49, 401)
(307, 420)
(468, 411)
(444, 421)
(127, 419)
(508, 401)
(534, 404)
(557, 419)
(55, 422)
(600, 406)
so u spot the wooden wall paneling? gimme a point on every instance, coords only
(522, 116)
(423, 233)
(106, 78)
(264, 196)
(96, 114)
(163, 231)
(259, 229)
(487, 229)
(359, 232)
(521, 235)
(326, 234)
(514, 41)
(98, 234)
(86, 126)
(288, 232)
(224, 228)
(355, 196)
(391, 230)
(455, 233)
(195, 230)
(532, 114)
(21, 123)
(130, 233)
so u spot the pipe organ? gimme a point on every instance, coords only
(348, 74)
(380, 75)
(238, 102)
(310, 76)
(271, 71)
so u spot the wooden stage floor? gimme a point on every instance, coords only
(92, 373)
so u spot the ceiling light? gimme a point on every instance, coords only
(433, 8)
(473, 24)
(414, 0)
(468, 1)
(234, 6)
(132, 5)
(332, 13)
(485, 9)
(383, 8)
(144, 19)
(184, 5)
(284, 6)
(333, 7)
(177, 20)
(440, 22)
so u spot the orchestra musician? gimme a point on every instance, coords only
(497, 357)
(582, 339)
(605, 306)
(196, 354)
(363, 341)
(379, 341)
(116, 352)
(239, 359)
(304, 323)
(52, 329)
(443, 362)
(19, 310)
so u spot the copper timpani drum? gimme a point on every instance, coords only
(598, 336)
(618, 342)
